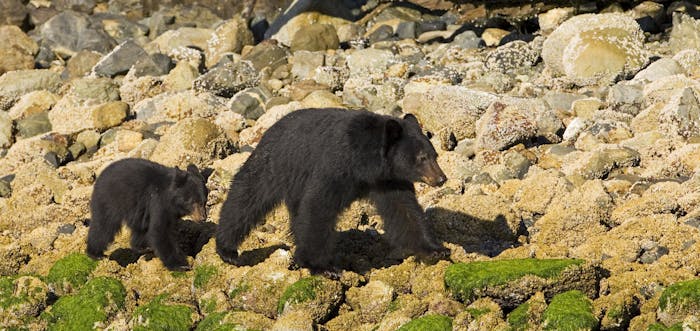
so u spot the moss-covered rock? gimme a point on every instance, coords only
(21, 298)
(617, 309)
(528, 315)
(428, 323)
(678, 301)
(70, 272)
(316, 295)
(159, 316)
(94, 304)
(570, 310)
(661, 327)
(511, 282)
(203, 274)
(372, 301)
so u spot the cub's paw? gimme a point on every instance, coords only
(95, 256)
(228, 257)
(185, 267)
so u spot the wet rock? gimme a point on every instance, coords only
(371, 300)
(315, 37)
(33, 125)
(512, 56)
(18, 50)
(81, 64)
(502, 126)
(575, 48)
(191, 141)
(228, 79)
(684, 34)
(69, 32)
(14, 84)
(173, 40)
(267, 54)
(12, 12)
(119, 60)
(230, 36)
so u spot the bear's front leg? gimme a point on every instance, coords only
(160, 237)
(405, 223)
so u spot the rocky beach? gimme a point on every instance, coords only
(569, 132)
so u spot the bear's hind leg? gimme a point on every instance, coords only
(244, 208)
(405, 223)
(139, 241)
(103, 227)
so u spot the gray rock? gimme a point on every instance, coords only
(119, 60)
(467, 40)
(14, 84)
(662, 68)
(96, 89)
(427, 26)
(12, 12)
(512, 56)
(172, 41)
(33, 125)
(80, 64)
(155, 65)
(406, 30)
(304, 64)
(5, 188)
(626, 98)
(315, 37)
(83, 6)
(561, 101)
(39, 15)
(267, 54)
(250, 102)
(66, 229)
(69, 32)
(503, 126)
(228, 79)
(382, 33)
(685, 33)
(651, 251)
(681, 115)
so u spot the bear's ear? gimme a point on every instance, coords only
(411, 119)
(392, 133)
(192, 169)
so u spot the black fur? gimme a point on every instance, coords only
(149, 198)
(318, 161)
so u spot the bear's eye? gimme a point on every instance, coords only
(422, 158)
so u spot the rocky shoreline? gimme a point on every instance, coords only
(570, 137)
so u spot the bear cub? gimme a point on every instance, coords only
(149, 198)
(318, 161)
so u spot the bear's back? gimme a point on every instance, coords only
(132, 175)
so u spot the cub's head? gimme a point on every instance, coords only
(410, 154)
(189, 195)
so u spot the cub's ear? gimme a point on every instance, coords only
(411, 119)
(192, 169)
(392, 133)
(180, 177)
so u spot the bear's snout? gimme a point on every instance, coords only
(199, 212)
(433, 175)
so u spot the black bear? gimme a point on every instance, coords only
(149, 198)
(318, 161)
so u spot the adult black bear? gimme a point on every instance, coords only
(149, 197)
(318, 161)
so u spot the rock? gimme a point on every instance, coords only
(5, 192)
(180, 78)
(81, 64)
(119, 60)
(467, 40)
(230, 36)
(24, 297)
(662, 68)
(406, 30)
(94, 90)
(109, 115)
(250, 102)
(184, 37)
(12, 257)
(570, 310)
(586, 108)
(228, 79)
(286, 33)
(315, 296)
(12, 12)
(551, 19)
(69, 116)
(234, 319)
(503, 126)
(493, 36)
(333, 77)
(511, 57)
(370, 60)
(315, 37)
(575, 127)
(371, 300)
(689, 59)
(267, 54)
(5, 130)
(158, 315)
(89, 138)
(678, 301)
(305, 63)
(14, 84)
(681, 115)
(363, 93)
(684, 34)
(651, 251)
(626, 98)
(575, 48)
(468, 281)
(428, 322)
(192, 140)
(173, 107)
(69, 32)
(121, 28)
(18, 50)
(154, 65)
(33, 125)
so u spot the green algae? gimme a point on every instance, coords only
(203, 274)
(428, 323)
(73, 269)
(159, 316)
(301, 291)
(463, 278)
(570, 311)
(96, 301)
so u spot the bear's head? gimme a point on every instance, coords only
(189, 193)
(410, 154)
